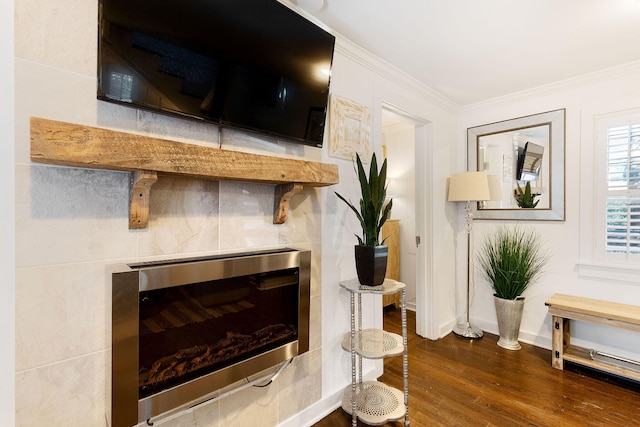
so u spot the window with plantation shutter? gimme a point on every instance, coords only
(622, 204)
(610, 196)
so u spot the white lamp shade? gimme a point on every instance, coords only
(469, 186)
(495, 187)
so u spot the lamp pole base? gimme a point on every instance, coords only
(465, 330)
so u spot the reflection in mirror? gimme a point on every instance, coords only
(529, 162)
(516, 158)
(524, 159)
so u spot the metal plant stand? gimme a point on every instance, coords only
(374, 402)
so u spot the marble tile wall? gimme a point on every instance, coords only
(71, 226)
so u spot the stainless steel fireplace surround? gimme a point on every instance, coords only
(184, 329)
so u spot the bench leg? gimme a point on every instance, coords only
(559, 340)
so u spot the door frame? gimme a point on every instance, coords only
(426, 307)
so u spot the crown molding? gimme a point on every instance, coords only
(392, 73)
(551, 88)
(376, 64)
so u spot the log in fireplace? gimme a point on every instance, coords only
(184, 329)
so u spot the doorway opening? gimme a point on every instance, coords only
(405, 141)
(398, 147)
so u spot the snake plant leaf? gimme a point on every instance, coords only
(353, 208)
(524, 198)
(374, 210)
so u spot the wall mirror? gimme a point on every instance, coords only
(518, 155)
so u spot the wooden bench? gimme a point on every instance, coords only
(564, 308)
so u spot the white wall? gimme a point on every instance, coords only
(613, 90)
(366, 80)
(7, 231)
(71, 224)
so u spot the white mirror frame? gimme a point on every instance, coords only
(556, 120)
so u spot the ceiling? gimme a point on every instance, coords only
(474, 50)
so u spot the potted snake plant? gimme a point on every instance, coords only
(511, 260)
(525, 198)
(370, 253)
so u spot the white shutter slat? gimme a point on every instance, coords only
(622, 218)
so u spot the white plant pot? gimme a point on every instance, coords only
(509, 313)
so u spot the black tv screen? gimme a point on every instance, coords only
(249, 64)
(529, 162)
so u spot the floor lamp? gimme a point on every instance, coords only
(468, 187)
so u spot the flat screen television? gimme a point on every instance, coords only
(249, 64)
(529, 162)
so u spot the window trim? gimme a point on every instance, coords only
(621, 273)
(600, 177)
(594, 262)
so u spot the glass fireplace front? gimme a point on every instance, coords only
(184, 329)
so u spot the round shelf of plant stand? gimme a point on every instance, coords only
(376, 403)
(374, 343)
(389, 286)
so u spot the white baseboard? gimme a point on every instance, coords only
(323, 407)
(524, 336)
(446, 328)
(314, 413)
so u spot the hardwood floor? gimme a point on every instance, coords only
(459, 382)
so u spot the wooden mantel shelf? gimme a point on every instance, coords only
(74, 145)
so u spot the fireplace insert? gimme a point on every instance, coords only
(184, 329)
